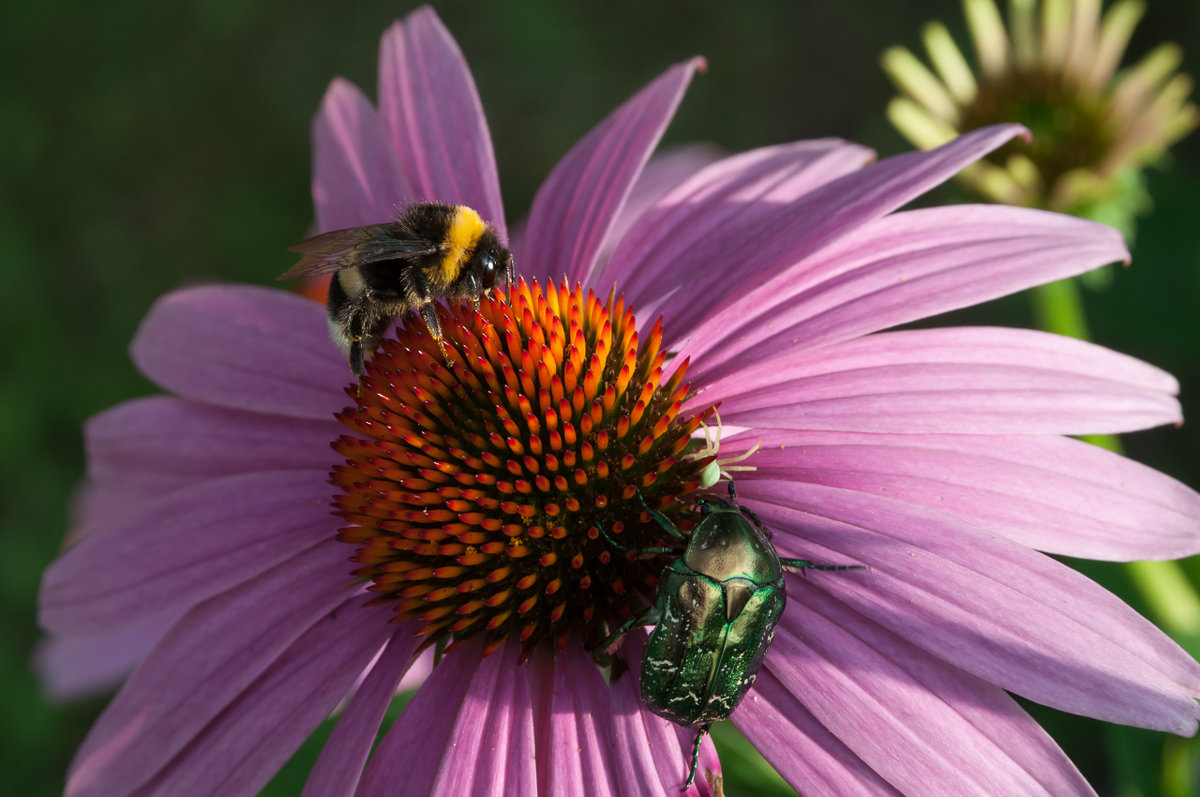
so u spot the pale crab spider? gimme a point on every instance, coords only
(719, 469)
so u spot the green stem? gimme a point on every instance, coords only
(1166, 590)
(1169, 595)
(1058, 307)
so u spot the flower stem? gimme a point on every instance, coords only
(1058, 307)
(1169, 595)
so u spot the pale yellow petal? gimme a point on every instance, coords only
(949, 62)
(1085, 30)
(1185, 120)
(987, 32)
(1056, 31)
(1137, 87)
(1156, 127)
(1115, 30)
(994, 184)
(915, 79)
(1021, 27)
(917, 125)
(1076, 187)
(1024, 173)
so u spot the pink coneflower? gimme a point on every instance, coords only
(474, 496)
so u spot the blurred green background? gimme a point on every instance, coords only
(145, 144)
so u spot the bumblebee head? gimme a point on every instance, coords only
(490, 265)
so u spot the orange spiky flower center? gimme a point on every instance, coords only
(484, 492)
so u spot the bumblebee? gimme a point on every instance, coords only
(383, 271)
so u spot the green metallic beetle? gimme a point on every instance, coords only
(717, 606)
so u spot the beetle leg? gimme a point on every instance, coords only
(695, 756)
(748, 512)
(804, 564)
(439, 649)
(635, 551)
(615, 636)
(662, 521)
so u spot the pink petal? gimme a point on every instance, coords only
(508, 741)
(356, 177)
(95, 506)
(652, 755)
(800, 747)
(71, 667)
(746, 192)
(201, 667)
(244, 347)
(192, 544)
(588, 753)
(1009, 615)
(340, 765)
(816, 220)
(579, 202)
(897, 269)
(491, 750)
(580, 747)
(898, 707)
(960, 380)
(432, 113)
(664, 171)
(165, 443)
(411, 751)
(242, 749)
(1054, 494)
(468, 730)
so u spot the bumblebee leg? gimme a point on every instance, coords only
(695, 756)
(355, 330)
(356, 356)
(474, 290)
(429, 313)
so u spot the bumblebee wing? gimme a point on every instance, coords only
(334, 251)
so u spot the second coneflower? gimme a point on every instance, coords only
(1054, 70)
